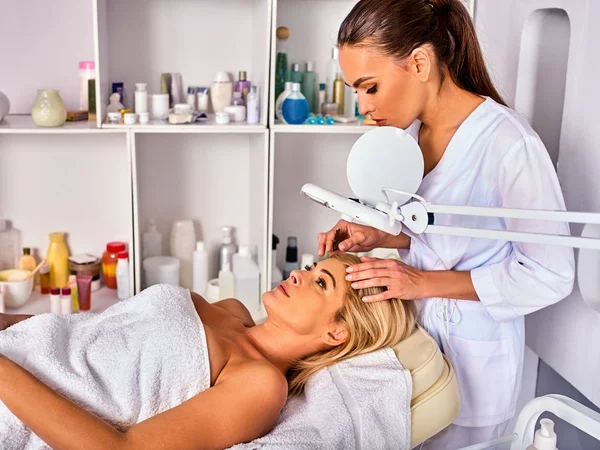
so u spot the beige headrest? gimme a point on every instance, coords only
(435, 400)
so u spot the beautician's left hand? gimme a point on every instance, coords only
(401, 280)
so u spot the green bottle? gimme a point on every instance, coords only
(281, 66)
(296, 76)
(309, 87)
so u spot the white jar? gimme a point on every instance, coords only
(160, 105)
(144, 118)
(221, 91)
(129, 118)
(183, 244)
(141, 98)
(236, 113)
(222, 118)
(202, 98)
(161, 270)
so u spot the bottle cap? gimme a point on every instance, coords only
(115, 247)
(222, 77)
(200, 246)
(310, 66)
(274, 242)
(292, 241)
(66, 291)
(243, 75)
(545, 437)
(227, 231)
(91, 65)
(291, 252)
(140, 86)
(254, 89)
(26, 251)
(322, 86)
(123, 255)
(54, 291)
(192, 90)
(288, 85)
(57, 237)
(244, 251)
(152, 225)
(295, 67)
(282, 32)
(296, 87)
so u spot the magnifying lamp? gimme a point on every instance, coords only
(385, 169)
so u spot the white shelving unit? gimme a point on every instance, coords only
(100, 182)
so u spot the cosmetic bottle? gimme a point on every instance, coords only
(279, 103)
(243, 86)
(253, 105)
(141, 98)
(309, 86)
(281, 64)
(247, 279)
(183, 243)
(221, 92)
(291, 257)
(227, 249)
(200, 269)
(55, 303)
(58, 259)
(333, 67)
(226, 282)
(322, 97)
(339, 93)
(123, 275)
(151, 241)
(276, 275)
(296, 76)
(27, 262)
(295, 107)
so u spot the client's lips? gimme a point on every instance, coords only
(282, 287)
(380, 122)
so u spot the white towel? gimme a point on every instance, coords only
(362, 403)
(138, 358)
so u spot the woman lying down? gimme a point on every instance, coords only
(165, 371)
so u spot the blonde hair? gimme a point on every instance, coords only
(370, 326)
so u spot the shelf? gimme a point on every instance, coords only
(340, 128)
(209, 126)
(40, 304)
(23, 124)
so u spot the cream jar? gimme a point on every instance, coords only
(221, 91)
(222, 118)
(237, 113)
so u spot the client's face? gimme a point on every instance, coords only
(307, 301)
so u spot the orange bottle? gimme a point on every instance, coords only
(109, 263)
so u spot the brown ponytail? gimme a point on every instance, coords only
(397, 27)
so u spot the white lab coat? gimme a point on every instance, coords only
(495, 159)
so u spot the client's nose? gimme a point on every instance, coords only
(295, 277)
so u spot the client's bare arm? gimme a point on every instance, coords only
(8, 320)
(243, 406)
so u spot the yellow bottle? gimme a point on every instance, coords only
(58, 260)
(339, 93)
(27, 262)
(74, 296)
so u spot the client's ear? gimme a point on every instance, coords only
(336, 335)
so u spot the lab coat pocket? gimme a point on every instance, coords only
(486, 372)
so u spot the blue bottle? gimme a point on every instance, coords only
(295, 107)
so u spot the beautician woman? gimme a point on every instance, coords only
(417, 65)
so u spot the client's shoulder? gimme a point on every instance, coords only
(238, 309)
(221, 311)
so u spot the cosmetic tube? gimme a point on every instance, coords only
(84, 292)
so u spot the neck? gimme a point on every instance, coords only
(279, 347)
(448, 107)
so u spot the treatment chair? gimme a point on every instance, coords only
(435, 400)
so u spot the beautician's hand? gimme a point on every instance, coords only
(400, 280)
(353, 238)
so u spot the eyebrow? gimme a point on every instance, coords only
(360, 81)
